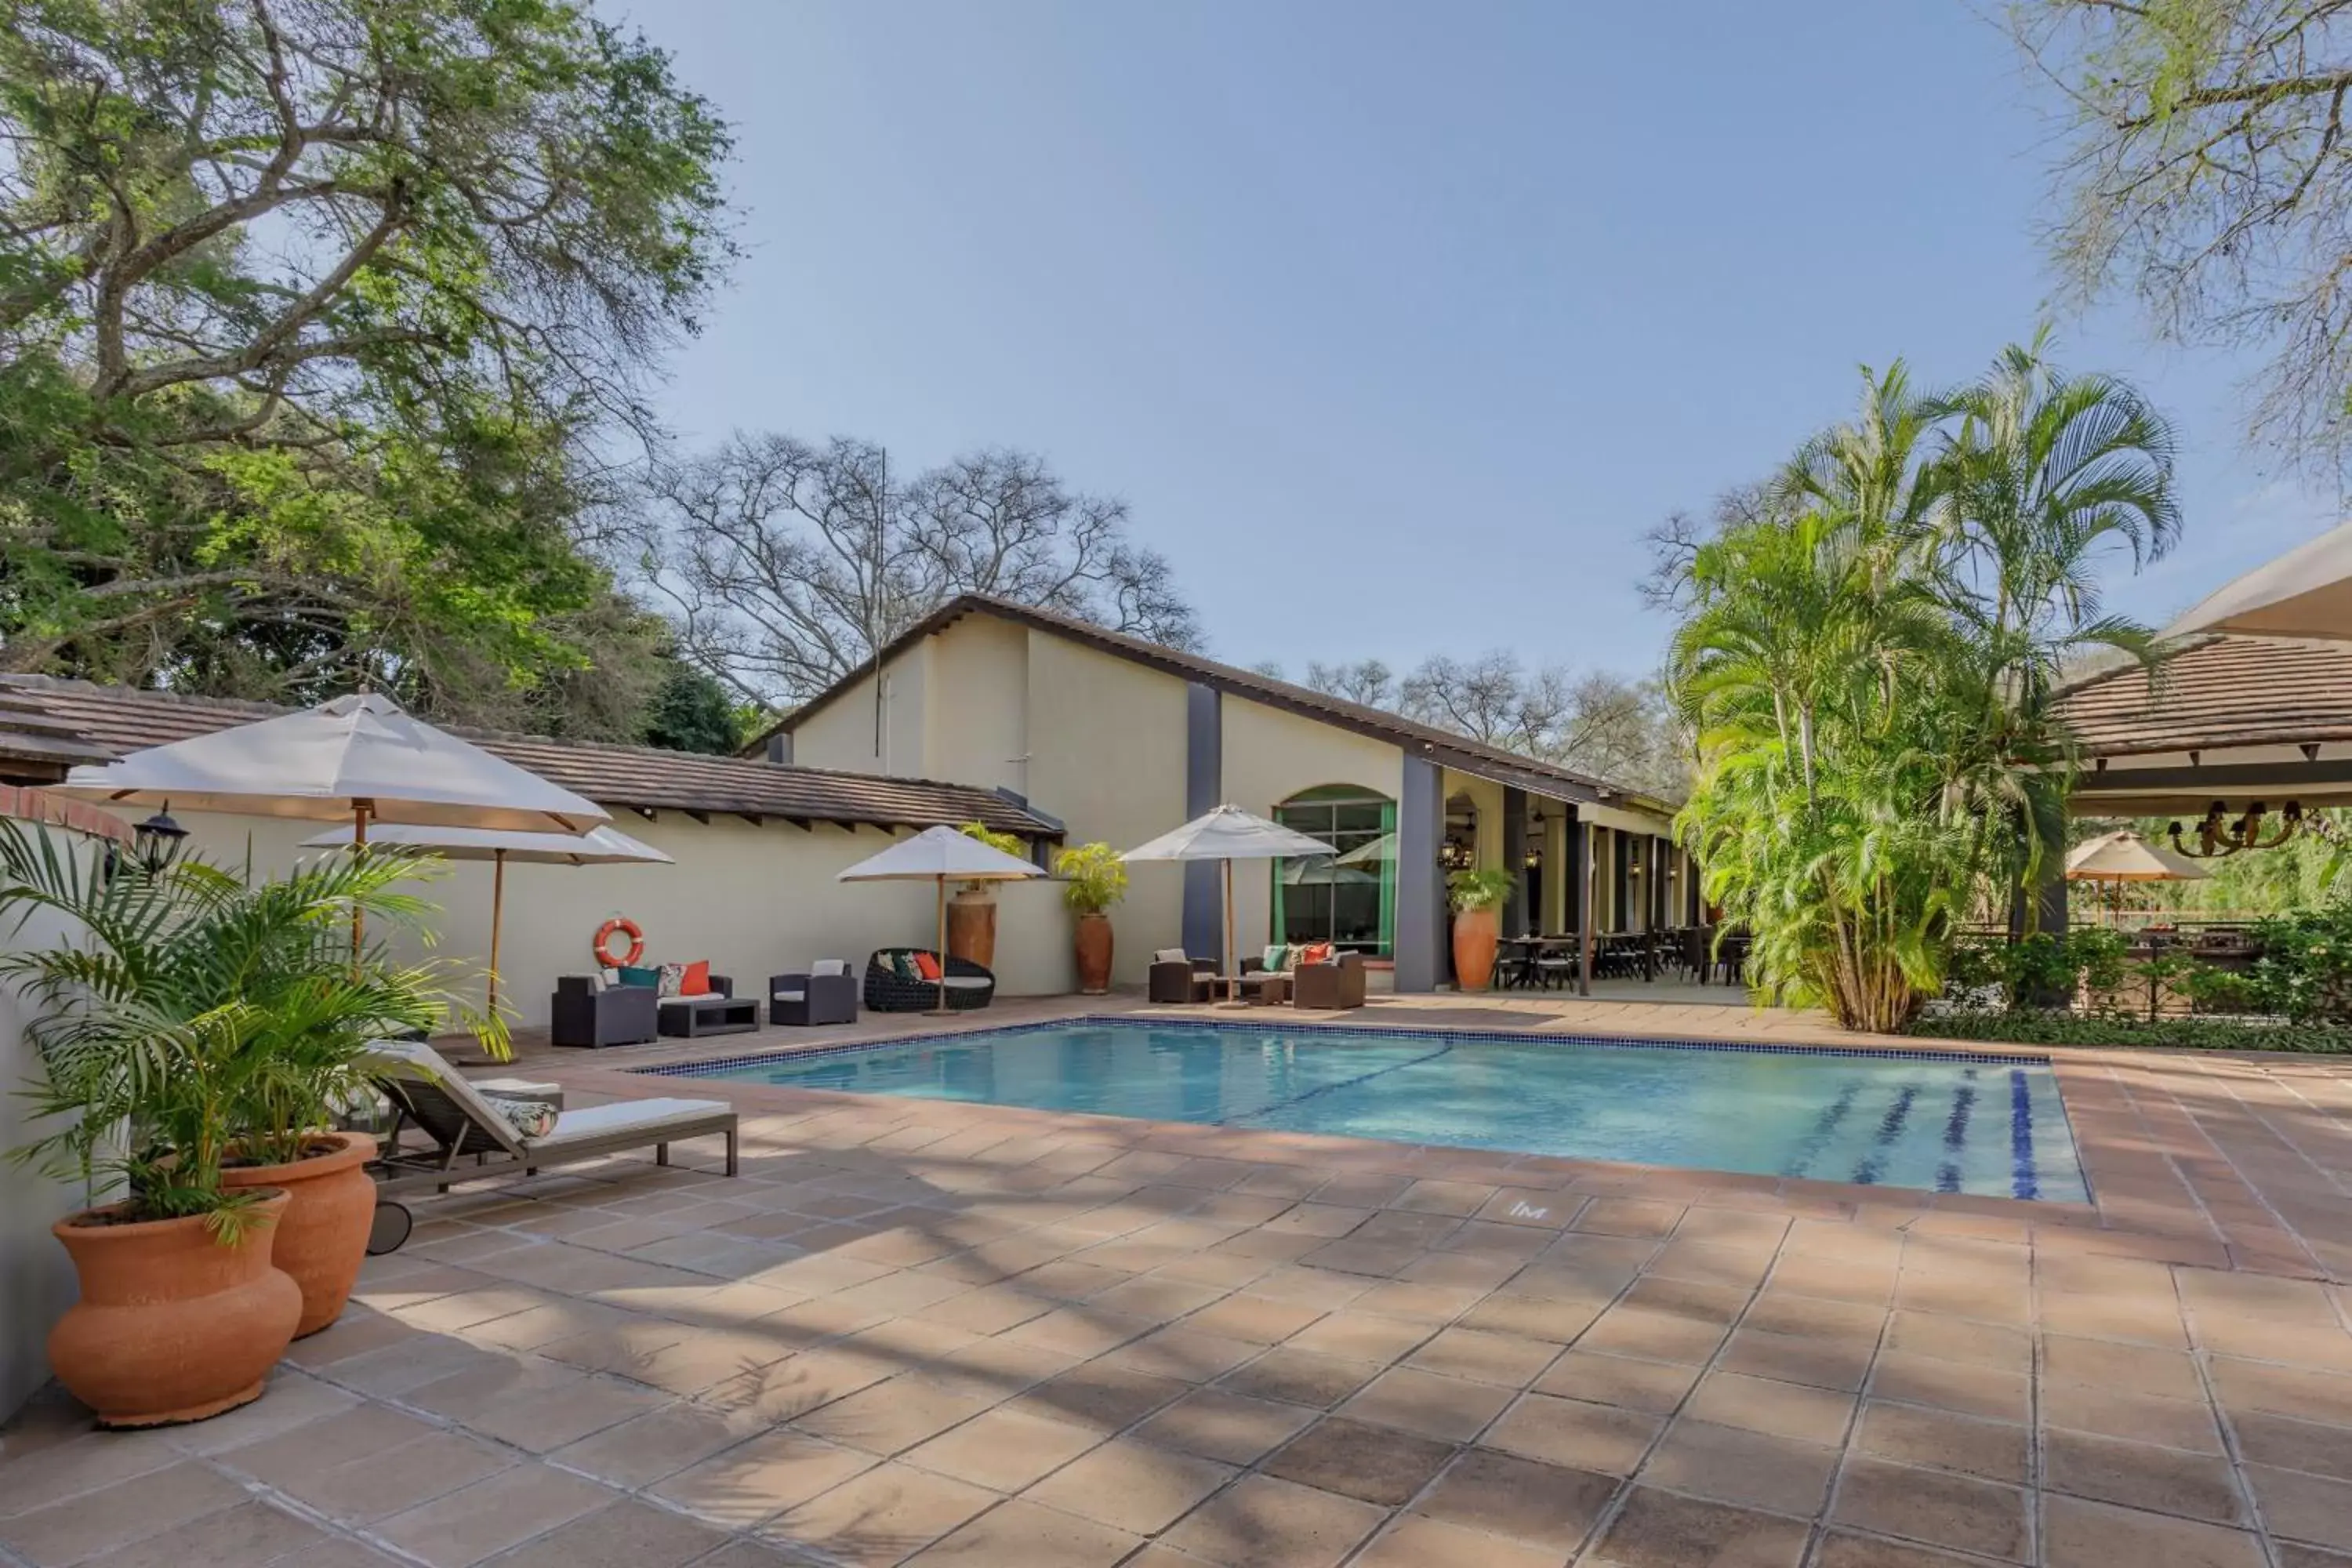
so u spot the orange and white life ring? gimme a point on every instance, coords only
(605, 936)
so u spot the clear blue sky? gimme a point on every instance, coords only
(1397, 324)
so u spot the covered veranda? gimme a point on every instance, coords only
(1604, 901)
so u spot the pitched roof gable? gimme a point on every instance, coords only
(1443, 745)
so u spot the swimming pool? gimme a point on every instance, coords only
(1948, 1123)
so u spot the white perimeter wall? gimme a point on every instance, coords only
(756, 901)
(36, 1282)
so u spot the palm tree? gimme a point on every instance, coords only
(1868, 667)
(188, 1017)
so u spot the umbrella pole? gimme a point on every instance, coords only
(498, 917)
(359, 848)
(942, 1007)
(1232, 981)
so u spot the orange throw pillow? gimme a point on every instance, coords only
(695, 980)
(927, 966)
(1315, 953)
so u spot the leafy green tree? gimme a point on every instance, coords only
(308, 310)
(1867, 660)
(690, 712)
(2203, 168)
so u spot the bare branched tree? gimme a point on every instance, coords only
(784, 565)
(2208, 174)
(1367, 681)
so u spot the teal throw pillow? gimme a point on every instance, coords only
(647, 975)
(1278, 957)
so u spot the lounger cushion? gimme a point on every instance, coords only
(646, 1116)
(966, 982)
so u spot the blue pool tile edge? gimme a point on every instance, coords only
(1362, 1031)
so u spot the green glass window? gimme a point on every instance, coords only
(1346, 897)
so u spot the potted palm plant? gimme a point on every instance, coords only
(1478, 900)
(194, 1033)
(971, 912)
(1093, 879)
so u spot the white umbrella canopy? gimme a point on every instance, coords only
(597, 847)
(360, 757)
(1229, 834)
(2305, 592)
(940, 855)
(2126, 857)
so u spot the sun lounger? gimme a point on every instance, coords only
(472, 1140)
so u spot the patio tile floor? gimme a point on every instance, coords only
(961, 1335)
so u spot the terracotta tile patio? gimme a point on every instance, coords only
(956, 1334)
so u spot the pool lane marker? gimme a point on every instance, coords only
(2025, 1181)
(1824, 1125)
(1956, 1134)
(1890, 1128)
(1324, 1089)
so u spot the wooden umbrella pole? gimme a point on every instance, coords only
(359, 848)
(943, 954)
(497, 918)
(1232, 981)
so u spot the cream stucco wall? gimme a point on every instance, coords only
(845, 734)
(1271, 754)
(1107, 749)
(979, 699)
(756, 901)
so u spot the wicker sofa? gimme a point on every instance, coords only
(969, 984)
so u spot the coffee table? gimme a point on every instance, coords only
(691, 1017)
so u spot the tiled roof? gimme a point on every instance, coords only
(114, 719)
(38, 746)
(2227, 691)
(1548, 778)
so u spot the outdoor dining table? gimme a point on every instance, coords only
(1523, 953)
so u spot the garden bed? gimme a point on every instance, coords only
(2034, 1026)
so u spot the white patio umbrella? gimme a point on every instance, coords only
(360, 758)
(597, 847)
(940, 855)
(2126, 857)
(2305, 592)
(1228, 833)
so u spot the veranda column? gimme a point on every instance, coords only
(1420, 878)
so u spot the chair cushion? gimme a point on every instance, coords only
(696, 980)
(787, 995)
(824, 967)
(1169, 955)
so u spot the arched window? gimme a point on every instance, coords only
(1346, 897)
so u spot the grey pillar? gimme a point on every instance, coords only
(1579, 896)
(1515, 860)
(1204, 787)
(1419, 880)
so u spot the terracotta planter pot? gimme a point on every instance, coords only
(1094, 954)
(171, 1325)
(1475, 934)
(972, 928)
(322, 1239)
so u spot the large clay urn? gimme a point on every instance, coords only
(322, 1239)
(1094, 953)
(972, 927)
(1474, 935)
(172, 1324)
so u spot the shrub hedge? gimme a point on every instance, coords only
(2032, 1026)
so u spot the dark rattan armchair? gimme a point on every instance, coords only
(827, 994)
(1335, 984)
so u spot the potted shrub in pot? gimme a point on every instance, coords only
(186, 982)
(1094, 878)
(1478, 898)
(971, 912)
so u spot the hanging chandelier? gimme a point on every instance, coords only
(2218, 838)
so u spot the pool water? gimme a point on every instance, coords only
(1988, 1125)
